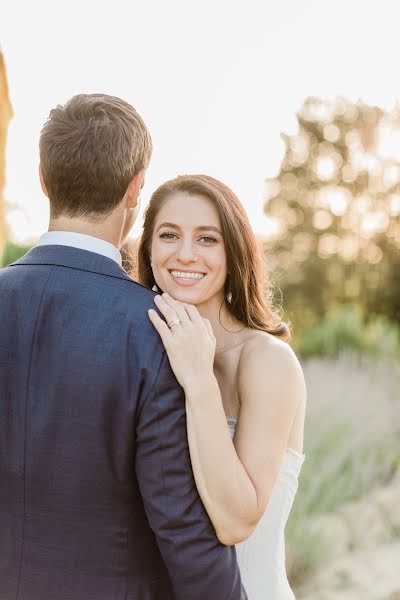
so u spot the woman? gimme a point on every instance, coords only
(244, 388)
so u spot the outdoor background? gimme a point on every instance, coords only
(296, 106)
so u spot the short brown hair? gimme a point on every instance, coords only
(248, 280)
(90, 149)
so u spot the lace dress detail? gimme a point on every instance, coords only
(261, 557)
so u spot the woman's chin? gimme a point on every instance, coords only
(187, 295)
(181, 293)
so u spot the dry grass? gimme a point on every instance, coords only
(352, 442)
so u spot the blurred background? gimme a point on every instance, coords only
(296, 106)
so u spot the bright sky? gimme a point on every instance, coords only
(216, 81)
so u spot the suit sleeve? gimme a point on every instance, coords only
(199, 566)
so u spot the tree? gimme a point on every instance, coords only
(336, 205)
(5, 116)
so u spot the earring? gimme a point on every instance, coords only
(227, 286)
(154, 288)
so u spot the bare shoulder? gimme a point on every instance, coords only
(262, 348)
(267, 360)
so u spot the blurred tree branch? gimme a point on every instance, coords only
(5, 116)
(336, 207)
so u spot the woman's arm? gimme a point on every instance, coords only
(225, 488)
(235, 480)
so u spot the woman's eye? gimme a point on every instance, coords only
(168, 235)
(208, 239)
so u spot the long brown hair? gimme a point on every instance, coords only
(248, 282)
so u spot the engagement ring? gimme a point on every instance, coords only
(173, 322)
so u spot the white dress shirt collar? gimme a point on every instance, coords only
(81, 241)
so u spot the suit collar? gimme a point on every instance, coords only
(82, 241)
(72, 258)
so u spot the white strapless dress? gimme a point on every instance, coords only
(261, 557)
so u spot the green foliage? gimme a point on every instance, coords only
(344, 328)
(13, 252)
(336, 205)
(350, 476)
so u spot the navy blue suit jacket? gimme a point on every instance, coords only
(97, 496)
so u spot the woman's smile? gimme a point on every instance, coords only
(186, 278)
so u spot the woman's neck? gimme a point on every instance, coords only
(228, 331)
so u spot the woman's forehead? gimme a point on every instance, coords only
(188, 210)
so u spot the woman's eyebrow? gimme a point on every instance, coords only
(199, 228)
(168, 225)
(208, 228)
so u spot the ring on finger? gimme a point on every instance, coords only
(175, 321)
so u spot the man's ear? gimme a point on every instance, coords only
(133, 189)
(42, 183)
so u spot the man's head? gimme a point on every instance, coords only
(93, 151)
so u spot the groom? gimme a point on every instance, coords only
(97, 497)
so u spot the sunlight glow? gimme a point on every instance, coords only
(373, 222)
(394, 203)
(391, 175)
(299, 146)
(328, 245)
(331, 133)
(20, 226)
(322, 219)
(325, 167)
(335, 198)
(388, 145)
(349, 248)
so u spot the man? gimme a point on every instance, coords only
(97, 497)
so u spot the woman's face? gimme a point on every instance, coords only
(188, 252)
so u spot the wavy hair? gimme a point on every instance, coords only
(247, 282)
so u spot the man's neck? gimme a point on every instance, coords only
(103, 230)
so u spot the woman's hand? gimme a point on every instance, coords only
(188, 340)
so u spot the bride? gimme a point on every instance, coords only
(244, 388)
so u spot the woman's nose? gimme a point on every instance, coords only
(186, 252)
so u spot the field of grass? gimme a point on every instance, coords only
(352, 444)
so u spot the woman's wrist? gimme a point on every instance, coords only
(206, 387)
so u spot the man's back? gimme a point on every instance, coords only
(97, 499)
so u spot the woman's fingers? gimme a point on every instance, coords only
(174, 311)
(193, 313)
(160, 326)
(177, 307)
(209, 328)
(183, 310)
(169, 313)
